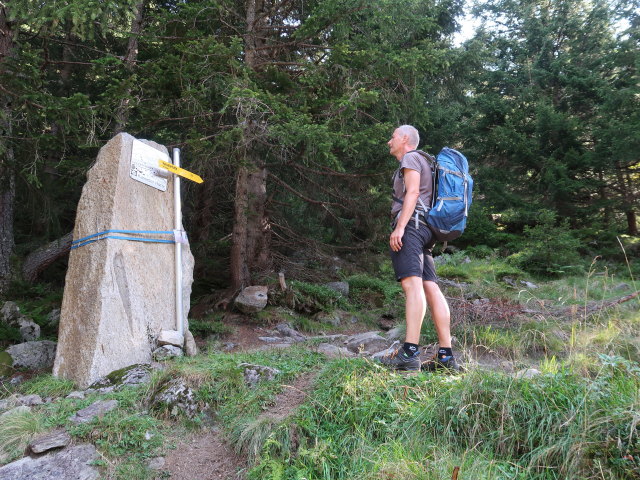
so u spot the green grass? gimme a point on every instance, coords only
(367, 423)
(477, 270)
(387, 286)
(211, 327)
(47, 386)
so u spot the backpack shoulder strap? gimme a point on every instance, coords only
(431, 159)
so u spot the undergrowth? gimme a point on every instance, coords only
(577, 420)
(366, 423)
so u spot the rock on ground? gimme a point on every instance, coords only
(171, 337)
(176, 397)
(48, 441)
(95, 410)
(166, 352)
(9, 312)
(286, 330)
(341, 287)
(53, 319)
(10, 315)
(37, 355)
(368, 341)
(396, 333)
(386, 351)
(18, 400)
(252, 299)
(76, 394)
(156, 463)
(68, 464)
(29, 330)
(15, 411)
(190, 347)
(276, 339)
(257, 373)
(333, 351)
(124, 377)
(528, 373)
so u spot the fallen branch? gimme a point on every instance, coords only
(38, 260)
(596, 307)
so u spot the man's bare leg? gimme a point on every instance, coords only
(407, 357)
(439, 312)
(415, 307)
(444, 360)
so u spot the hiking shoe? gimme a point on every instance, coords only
(442, 364)
(399, 360)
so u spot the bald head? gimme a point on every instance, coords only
(413, 137)
(404, 139)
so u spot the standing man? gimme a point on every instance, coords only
(411, 243)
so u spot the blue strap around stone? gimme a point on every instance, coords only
(103, 235)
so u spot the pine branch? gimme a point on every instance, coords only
(304, 197)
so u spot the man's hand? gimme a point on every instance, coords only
(395, 240)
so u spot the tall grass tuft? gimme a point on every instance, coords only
(16, 430)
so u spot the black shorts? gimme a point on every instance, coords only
(414, 258)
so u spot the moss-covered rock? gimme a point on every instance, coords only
(118, 379)
(175, 397)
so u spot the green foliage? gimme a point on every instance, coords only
(122, 434)
(6, 363)
(35, 301)
(482, 230)
(362, 284)
(548, 248)
(453, 266)
(9, 334)
(314, 298)
(216, 328)
(546, 109)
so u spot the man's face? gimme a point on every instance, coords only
(395, 143)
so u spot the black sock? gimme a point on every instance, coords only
(445, 352)
(411, 349)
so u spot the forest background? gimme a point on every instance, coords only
(285, 107)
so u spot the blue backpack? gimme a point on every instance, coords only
(451, 199)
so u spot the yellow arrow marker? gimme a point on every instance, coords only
(180, 171)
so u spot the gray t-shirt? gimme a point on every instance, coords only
(420, 164)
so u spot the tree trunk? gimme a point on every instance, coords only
(604, 198)
(625, 186)
(630, 197)
(122, 112)
(632, 223)
(250, 250)
(37, 261)
(7, 161)
(7, 198)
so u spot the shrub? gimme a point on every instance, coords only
(390, 289)
(309, 297)
(209, 327)
(548, 249)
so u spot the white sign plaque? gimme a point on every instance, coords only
(144, 166)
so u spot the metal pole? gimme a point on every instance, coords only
(178, 226)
